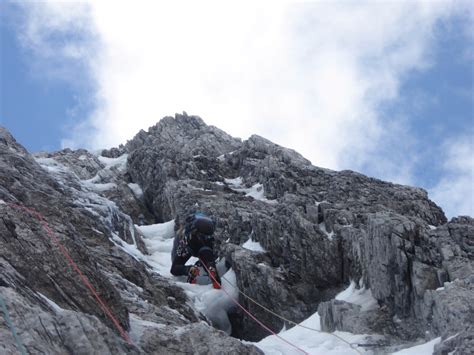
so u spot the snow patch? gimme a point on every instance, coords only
(158, 231)
(423, 349)
(120, 162)
(322, 227)
(432, 227)
(99, 187)
(97, 231)
(130, 249)
(222, 157)
(256, 191)
(236, 183)
(446, 284)
(136, 189)
(310, 340)
(254, 246)
(51, 165)
(362, 297)
(159, 239)
(53, 304)
(2, 202)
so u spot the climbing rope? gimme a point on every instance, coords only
(287, 320)
(250, 314)
(10, 325)
(83, 278)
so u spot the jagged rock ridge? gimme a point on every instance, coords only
(321, 229)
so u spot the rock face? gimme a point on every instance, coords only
(52, 310)
(319, 230)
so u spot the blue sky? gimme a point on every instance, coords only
(437, 103)
(386, 90)
(37, 103)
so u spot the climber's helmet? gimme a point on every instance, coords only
(201, 227)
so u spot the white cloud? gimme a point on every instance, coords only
(310, 76)
(455, 191)
(307, 75)
(44, 32)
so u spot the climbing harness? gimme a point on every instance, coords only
(192, 278)
(6, 316)
(194, 273)
(83, 277)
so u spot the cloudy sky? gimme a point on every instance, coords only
(383, 88)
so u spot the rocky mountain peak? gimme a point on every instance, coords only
(260, 146)
(189, 134)
(10, 143)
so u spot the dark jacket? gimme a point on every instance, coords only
(196, 239)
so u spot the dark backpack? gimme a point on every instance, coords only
(199, 224)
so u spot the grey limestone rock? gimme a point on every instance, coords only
(196, 338)
(45, 328)
(46, 199)
(319, 230)
(348, 317)
(461, 343)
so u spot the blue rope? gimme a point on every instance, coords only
(19, 345)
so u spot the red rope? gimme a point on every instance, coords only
(84, 279)
(250, 314)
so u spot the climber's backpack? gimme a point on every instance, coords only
(200, 225)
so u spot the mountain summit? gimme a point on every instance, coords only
(85, 243)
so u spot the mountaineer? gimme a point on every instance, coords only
(195, 238)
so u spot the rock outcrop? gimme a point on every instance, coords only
(53, 311)
(319, 229)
